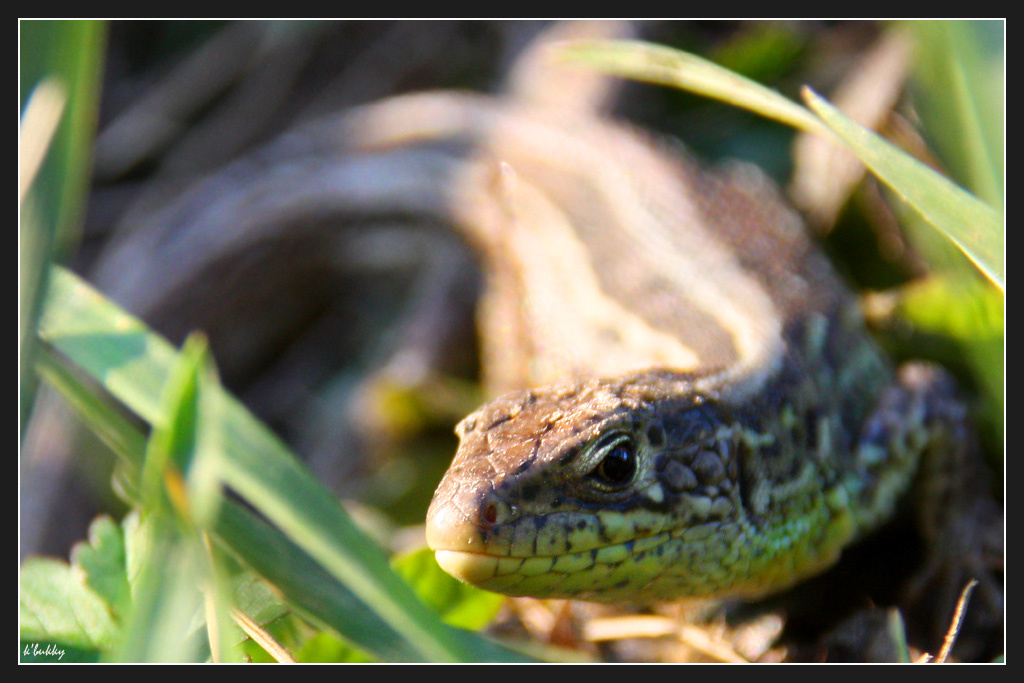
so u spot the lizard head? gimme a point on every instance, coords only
(576, 489)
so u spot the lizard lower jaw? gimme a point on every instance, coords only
(472, 568)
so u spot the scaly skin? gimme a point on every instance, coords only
(693, 406)
(721, 499)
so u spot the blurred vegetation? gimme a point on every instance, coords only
(355, 347)
(60, 65)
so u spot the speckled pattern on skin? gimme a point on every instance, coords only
(689, 402)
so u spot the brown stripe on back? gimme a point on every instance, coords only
(626, 272)
(642, 233)
(600, 235)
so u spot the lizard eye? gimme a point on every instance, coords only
(617, 463)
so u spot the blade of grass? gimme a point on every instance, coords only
(970, 223)
(663, 65)
(72, 53)
(59, 60)
(959, 81)
(276, 485)
(105, 420)
(358, 594)
(167, 604)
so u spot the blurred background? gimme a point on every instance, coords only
(201, 204)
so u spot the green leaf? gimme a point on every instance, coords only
(85, 605)
(972, 225)
(459, 604)
(103, 559)
(262, 472)
(113, 348)
(129, 594)
(172, 606)
(138, 539)
(57, 607)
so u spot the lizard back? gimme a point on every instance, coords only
(608, 253)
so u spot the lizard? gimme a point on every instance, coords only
(689, 404)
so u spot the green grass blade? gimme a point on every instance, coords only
(958, 87)
(71, 53)
(60, 65)
(104, 419)
(166, 603)
(283, 491)
(107, 344)
(663, 65)
(971, 224)
(169, 591)
(309, 534)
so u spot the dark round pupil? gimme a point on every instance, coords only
(618, 466)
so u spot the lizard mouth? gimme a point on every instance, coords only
(561, 575)
(470, 567)
(508, 575)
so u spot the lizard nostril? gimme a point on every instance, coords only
(491, 513)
